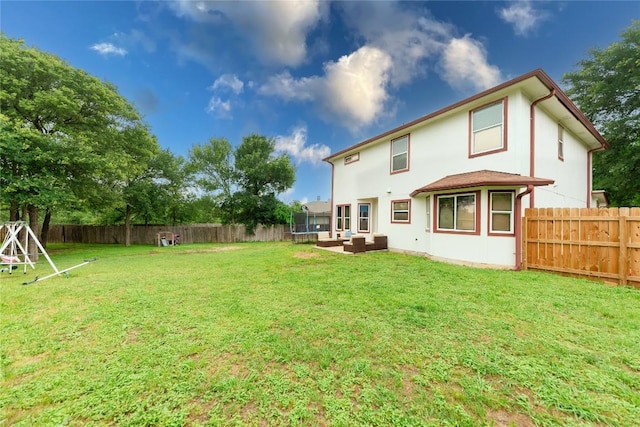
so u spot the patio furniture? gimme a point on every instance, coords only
(379, 242)
(355, 245)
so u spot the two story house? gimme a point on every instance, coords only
(454, 184)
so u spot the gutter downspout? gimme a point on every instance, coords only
(518, 226)
(532, 140)
(590, 173)
(331, 223)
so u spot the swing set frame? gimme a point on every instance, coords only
(17, 251)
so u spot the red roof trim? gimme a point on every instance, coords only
(483, 178)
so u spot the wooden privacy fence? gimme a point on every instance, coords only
(146, 234)
(595, 243)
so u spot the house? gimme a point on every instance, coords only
(454, 184)
(318, 214)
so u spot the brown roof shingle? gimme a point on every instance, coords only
(482, 178)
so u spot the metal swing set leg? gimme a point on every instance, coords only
(16, 249)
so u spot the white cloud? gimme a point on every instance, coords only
(295, 145)
(352, 90)
(464, 65)
(409, 36)
(277, 29)
(522, 16)
(356, 86)
(224, 83)
(228, 81)
(285, 86)
(219, 108)
(107, 49)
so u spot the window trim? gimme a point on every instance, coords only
(408, 221)
(368, 218)
(505, 121)
(406, 169)
(352, 158)
(342, 217)
(475, 232)
(490, 231)
(561, 133)
(428, 214)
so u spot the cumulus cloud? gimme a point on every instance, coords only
(223, 85)
(464, 65)
(522, 16)
(219, 108)
(352, 90)
(107, 49)
(228, 81)
(276, 29)
(296, 146)
(408, 35)
(285, 86)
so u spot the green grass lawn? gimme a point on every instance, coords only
(282, 334)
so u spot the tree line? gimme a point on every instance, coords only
(72, 146)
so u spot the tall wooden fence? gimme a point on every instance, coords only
(146, 234)
(595, 243)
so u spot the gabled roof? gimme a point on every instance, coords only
(483, 178)
(545, 83)
(318, 206)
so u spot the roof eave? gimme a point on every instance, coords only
(536, 183)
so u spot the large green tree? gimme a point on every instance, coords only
(74, 138)
(244, 182)
(606, 87)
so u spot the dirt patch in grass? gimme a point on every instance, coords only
(197, 251)
(502, 418)
(306, 255)
(209, 250)
(132, 336)
(29, 360)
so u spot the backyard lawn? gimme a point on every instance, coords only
(281, 334)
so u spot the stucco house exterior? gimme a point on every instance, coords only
(454, 184)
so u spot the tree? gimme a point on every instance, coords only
(262, 176)
(607, 90)
(244, 182)
(60, 114)
(212, 165)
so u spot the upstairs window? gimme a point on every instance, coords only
(400, 154)
(488, 129)
(351, 158)
(560, 142)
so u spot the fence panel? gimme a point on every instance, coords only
(146, 234)
(596, 243)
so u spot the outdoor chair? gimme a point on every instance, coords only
(355, 245)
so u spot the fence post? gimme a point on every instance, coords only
(622, 263)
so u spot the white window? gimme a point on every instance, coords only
(400, 154)
(401, 211)
(457, 212)
(363, 217)
(428, 214)
(351, 158)
(501, 212)
(560, 142)
(343, 217)
(487, 133)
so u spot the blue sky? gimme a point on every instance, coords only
(318, 76)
